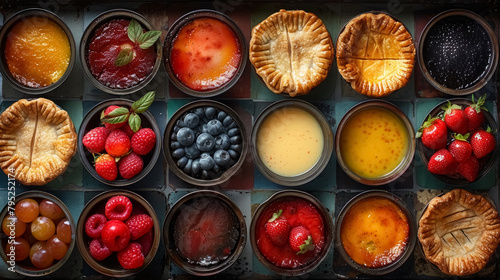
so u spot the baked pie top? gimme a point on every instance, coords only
(375, 53)
(291, 51)
(459, 232)
(37, 141)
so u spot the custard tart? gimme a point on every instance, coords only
(291, 51)
(375, 54)
(459, 232)
(37, 141)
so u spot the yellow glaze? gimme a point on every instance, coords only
(373, 142)
(290, 141)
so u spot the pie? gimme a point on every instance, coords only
(37, 141)
(459, 232)
(291, 51)
(375, 54)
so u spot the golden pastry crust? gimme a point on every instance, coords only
(459, 232)
(37, 141)
(375, 54)
(291, 51)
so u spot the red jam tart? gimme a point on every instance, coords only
(299, 213)
(107, 42)
(205, 54)
(374, 232)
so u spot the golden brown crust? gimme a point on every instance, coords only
(459, 232)
(375, 54)
(291, 51)
(37, 141)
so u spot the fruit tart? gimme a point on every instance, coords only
(37, 141)
(291, 51)
(459, 232)
(375, 54)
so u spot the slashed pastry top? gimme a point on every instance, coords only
(459, 232)
(375, 54)
(291, 51)
(37, 141)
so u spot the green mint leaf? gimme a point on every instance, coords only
(118, 115)
(135, 122)
(148, 39)
(124, 57)
(143, 103)
(134, 31)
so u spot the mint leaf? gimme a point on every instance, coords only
(118, 115)
(148, 39)
(143, 103)
(124, 57)
(134, 31)
(135, 122)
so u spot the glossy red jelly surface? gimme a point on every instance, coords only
(298, 212)
(205, 54)
(105, 45)
(205, 231)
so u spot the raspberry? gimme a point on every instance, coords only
(143, 141)
(118, 208)
(117, 143)
(130, 165)
(131, 257)
(95, 139)
(98, 250)
(139, 225)
(115, 235)
(105, 166)
(94, 225)
(114, 125)
(129, 130)
(146, 242)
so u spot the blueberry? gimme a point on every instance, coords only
(173, 137)
(216, 168)
(178, 153)
(192, 152)
(210, 112)
(232, 125)
(206, 161)
(205, 175)
(236, 148)
(205, 142)
(180, 123)
(222, 142)
(234, 155)
(191, 120)
(195, 167)
(185, 136)
(233, 132)
(227, 121)
(199, 111)
(188, 166)
(222, 157)
(221, 115)
(182, 162)
(175, 145)
(203, 128)
(235, 139)
(176, 128)
(215, 127)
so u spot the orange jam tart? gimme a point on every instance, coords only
(37, 52)
(205, 54)
(374, 232)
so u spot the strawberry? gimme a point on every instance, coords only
(115, 235)
(460, 148)
(105, 166)
(95, 139)
(94, 225)
(455, 118)
(98, 250)
(301, 240)
(128, 130)
(277, 228)
(483, 143)
(139, 225)
(131, 257)
(118, 207)
(475, 113)
(117, 143)
(442, 162)
(434, 133)
(469, 169)
(143, 141)
(130, 165)
(108, 111)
